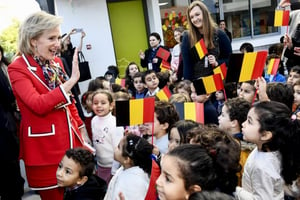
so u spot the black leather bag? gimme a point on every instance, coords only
(84, 68)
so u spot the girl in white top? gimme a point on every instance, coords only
(176, 49)
(275, 159)
(132, 178)
(106, 135)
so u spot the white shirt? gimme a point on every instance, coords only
(261, 177)
(175, 57)
(106, 137)
(132, 182)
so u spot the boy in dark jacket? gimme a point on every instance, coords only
(75, 173)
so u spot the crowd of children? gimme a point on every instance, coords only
(239, 142)
(246, 148)
(242, 150)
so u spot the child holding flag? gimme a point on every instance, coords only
(210, 111)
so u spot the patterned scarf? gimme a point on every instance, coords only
(53, 73)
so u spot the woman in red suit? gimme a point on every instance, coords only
(50, 123)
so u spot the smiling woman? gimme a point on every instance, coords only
(50, 123)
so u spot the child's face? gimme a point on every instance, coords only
(101, 105)
(67, 173)
(177, 35)
(197, 98)
(170, 184)
(293, 78)
(183, 91)
(247, 92)
(151, 81)
(174, 140)
(220, 96)
(224, 119)
(118, 151)
(297, 95)
(250, 129)
(138, 84)
(89, 103)
(133, 69)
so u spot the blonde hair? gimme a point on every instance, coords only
(33, 27)
(179, 98)
(209, 26)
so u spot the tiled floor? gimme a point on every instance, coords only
(30, 195)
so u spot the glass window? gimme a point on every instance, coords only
(237, 14)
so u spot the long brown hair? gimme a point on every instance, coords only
(209, 26)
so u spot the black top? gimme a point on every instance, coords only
(93, 189)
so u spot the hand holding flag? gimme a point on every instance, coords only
(201, 49)
(281, 18)
(163, 54)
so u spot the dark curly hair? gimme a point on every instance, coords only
(84, 158)
(238, 109)
(139, 151)
(225, 151)
(281, 92)
(166, 113)
(183, 126)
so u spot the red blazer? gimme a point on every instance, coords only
(49, 124)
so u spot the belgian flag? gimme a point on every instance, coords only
(282, 18)
(190, 110)
(164, 94)
(120, 81)
(200, 48)
(273, 66)
(222, 69)
(246, 67)
(135, 111)
(208, 84)
(165, 65)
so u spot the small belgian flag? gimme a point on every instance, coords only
(135, 111)
(190, 110)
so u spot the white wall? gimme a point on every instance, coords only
(92, 16)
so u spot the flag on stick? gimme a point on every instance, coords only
(208, 84)
(222, 69)
(200, 48)
(282, 18)
(164, 94)
(273, 66)
(190, 111)
(165, 65)
(163, 53)
(120, 81)
(246, 67)
(134, 111)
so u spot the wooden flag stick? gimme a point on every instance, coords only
(225, 96)
(253, 100)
